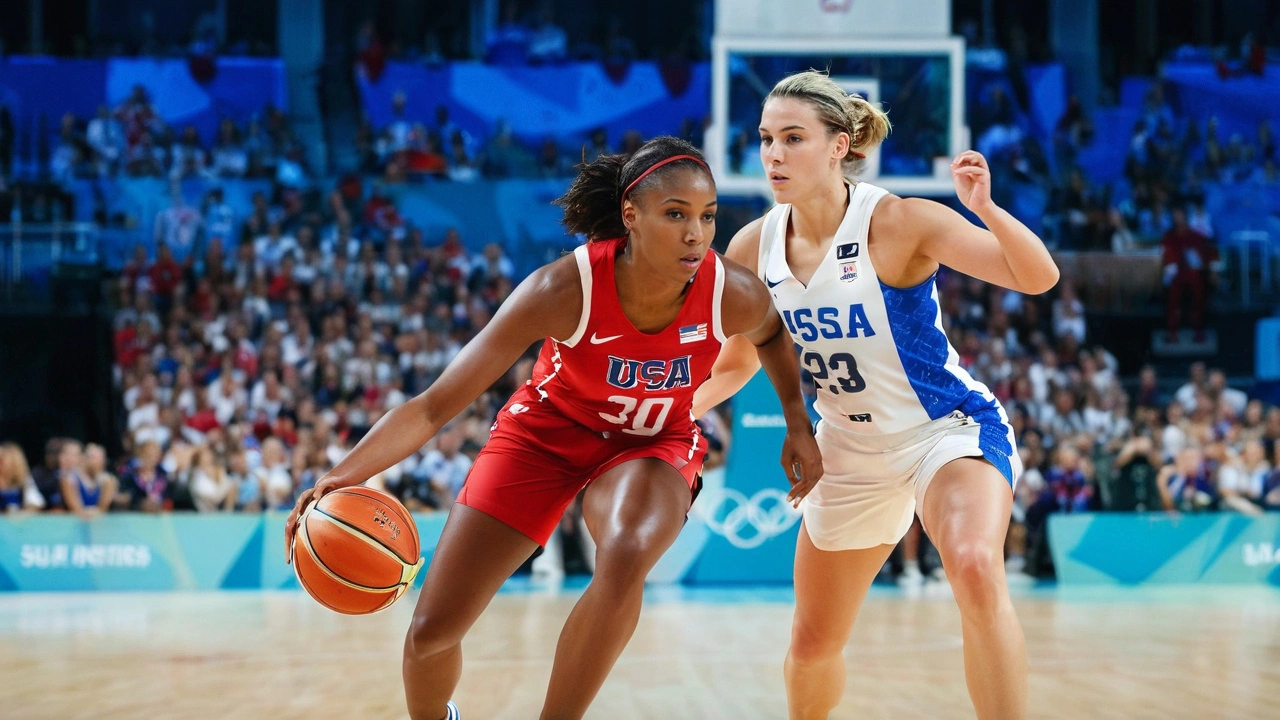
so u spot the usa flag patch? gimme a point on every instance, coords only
(693, 333)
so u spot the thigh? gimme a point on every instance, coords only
(968, 501)
(830, 587)
(529, 471)
(640, 503)
(475, 555)
(864, 498)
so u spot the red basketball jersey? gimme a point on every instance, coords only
(611, 377)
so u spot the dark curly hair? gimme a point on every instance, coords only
(593, 203)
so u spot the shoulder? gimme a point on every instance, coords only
(744, 248)
(745, 293)
(549, 301)
(908, 214)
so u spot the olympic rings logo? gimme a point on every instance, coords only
(746, 523)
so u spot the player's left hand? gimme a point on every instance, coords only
(802, 462)
(972, 177)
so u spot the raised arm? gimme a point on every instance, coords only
(738, 360)
(1007, 253)
(757, 324)
(547, 304)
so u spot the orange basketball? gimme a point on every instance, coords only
(356, 550)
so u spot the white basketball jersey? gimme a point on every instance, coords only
(877, 354)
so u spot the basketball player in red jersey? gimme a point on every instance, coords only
(632, 323)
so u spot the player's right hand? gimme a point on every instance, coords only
(326, 485)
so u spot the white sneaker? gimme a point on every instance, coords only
(911, 576)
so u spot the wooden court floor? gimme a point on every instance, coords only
(715, 654)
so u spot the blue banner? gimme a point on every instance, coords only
(156, 552)
(561, 101)
(517, 214)
(751, 528)
(1154, 548)
(238, 89)
(1267, 350)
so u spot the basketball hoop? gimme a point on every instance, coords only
(835, 6)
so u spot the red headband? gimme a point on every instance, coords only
(657, 165)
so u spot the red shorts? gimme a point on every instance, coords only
(537, 461)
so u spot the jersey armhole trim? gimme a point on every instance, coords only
(583, 257)
(767, 230)
(717, 300)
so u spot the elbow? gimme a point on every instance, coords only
(1044, 282)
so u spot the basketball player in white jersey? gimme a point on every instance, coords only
(904, 429)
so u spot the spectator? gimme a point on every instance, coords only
(106, 138)
(230, 159)
(1243, 480)
(165, 277)
(145, 484)
(189, 157)
(97, 475)
(245, 486)
(274, 478)
(212, 487)
(177, 228)
(1137, 464)
(1197, 380)
(17, 488)
(1188, 257)
(445, 467)
(48, 478)
(1185, 485)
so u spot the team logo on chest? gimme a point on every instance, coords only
(846, 255)
(651, 374)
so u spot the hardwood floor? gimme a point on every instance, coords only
(1178, 653)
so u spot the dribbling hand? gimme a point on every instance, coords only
(972, 177)
(802, 461)
(326, 485)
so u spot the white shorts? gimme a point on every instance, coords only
(872, 484)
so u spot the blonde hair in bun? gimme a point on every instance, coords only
(865, 122)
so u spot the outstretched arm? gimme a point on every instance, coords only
(758, 324)
(547, 303)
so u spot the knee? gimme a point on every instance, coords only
(625, 560)
(430, 635)
(976, 574)
(812, 643)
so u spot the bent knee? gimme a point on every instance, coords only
(812, 643)
(976, 574)
(429, 635)
(628, 558)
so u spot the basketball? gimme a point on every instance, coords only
(356, 550)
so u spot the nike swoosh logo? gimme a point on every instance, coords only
(602, 340)
(773, 284)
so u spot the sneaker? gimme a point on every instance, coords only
(452, 713)
(911, 576)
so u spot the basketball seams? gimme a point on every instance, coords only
(366, 517)
(388, 502)
(395, 590)
(361, 535)
(324, 567)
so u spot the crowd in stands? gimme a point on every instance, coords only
(1091, 441)
(413, 148)
(247, 372)
(251, 361)
(132, 140)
